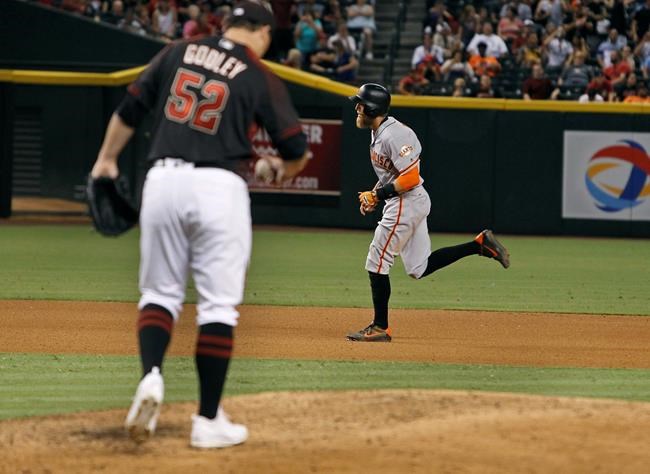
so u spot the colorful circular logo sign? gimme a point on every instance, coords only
(613, 195)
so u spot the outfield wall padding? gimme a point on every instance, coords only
(499, 165)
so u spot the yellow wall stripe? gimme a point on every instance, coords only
(314, 81)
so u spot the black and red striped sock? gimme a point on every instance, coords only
(213, 351)
(155, 326)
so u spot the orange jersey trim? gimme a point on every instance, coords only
(410, 178)
(392, 232)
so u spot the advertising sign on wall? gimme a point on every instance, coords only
(606, 176)
(321, 176)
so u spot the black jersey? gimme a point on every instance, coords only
(209, 95)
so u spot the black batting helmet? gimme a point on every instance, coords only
(374, 97)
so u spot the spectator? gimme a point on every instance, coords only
(215, 18)
(413, 83)
(427, 51)
(617, 71)
(457, 67)
(283, 33)
(130, 23)
(430, 68)
(510, 27)
(469, 24)
(557, 13)
(361, 17)
(495, 45)
(459, 89)
(445, 39)
(543, 12)
(641, 22)
(628, 89)
(293, 59)
(642, 49)
(315, 8)
(142, 14)
(581, 26)
(537, 86)
(95, 8)
(591, 95)
(628, 57)
(614, 42)
(530, 53)
(437, 14)
(579, 47)
(164, 20)
(521, 8)
(191, 25)
(323, 61)
(486, 15)
(558, 49)
(115, 14)
(577, 73)
(332, 16)
(344, 36)
(640, 97)
(600, 17)
(307, 34)
(482, 64)
(345, 64)
(485, 90)
(603, 87)
(618, 16)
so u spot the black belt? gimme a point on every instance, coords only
(207, 164)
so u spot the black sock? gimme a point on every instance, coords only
(213, 351)
(380, 286)
(445, 256)
(155, 326)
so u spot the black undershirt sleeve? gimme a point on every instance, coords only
(293, 147)
(131, 111)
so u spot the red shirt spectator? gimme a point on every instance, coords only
(602, 86)
(617, 71)
(537, 87)
(413, 83)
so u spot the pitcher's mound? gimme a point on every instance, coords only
(364, 431)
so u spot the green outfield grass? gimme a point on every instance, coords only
(49, 384)
(321, 268)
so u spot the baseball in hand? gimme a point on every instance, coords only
(264, 171)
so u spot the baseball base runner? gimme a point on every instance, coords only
(395, 153)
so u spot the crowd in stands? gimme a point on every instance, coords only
(327, 37)
(586, 50)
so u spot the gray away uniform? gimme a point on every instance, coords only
(402, 230)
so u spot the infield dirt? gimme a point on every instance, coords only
(398, 431)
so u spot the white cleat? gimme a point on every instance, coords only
(145, 409)
(217, 433)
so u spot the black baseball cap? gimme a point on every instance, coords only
(256, 12)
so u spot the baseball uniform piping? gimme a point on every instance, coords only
(392, 232)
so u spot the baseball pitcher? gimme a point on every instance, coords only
(208, 94)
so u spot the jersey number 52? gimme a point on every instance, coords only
(184, 106)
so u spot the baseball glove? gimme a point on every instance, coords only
(110, 206)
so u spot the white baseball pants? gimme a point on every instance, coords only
(198, 220)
